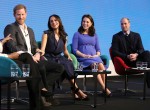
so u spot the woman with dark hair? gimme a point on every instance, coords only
(54, 43)
(86, 47)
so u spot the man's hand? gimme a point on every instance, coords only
(132, 57)
(36, 57)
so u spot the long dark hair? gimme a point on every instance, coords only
(91, 31)
(62, 32)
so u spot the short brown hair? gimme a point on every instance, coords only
(18, 7)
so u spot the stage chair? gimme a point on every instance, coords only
(75, 63)
(5, 71)
(103, 57)
(120, 67)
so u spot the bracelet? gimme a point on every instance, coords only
(39, 53)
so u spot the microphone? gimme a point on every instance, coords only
(26, 34)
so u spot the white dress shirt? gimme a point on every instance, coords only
(1, 50)
(26, 37)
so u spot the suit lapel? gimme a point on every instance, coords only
(20, 32)
(30, 37)
(123, 41)
(132, 41)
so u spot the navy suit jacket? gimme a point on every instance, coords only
(119, 47)
(18, 43)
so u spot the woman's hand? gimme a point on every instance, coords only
(40, 51)
(86, 56)
(43, 52)
(14, 55)
(90, 56)
(69, 58)
(6, 39)
(94, 56)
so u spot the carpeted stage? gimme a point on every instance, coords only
(117, 102)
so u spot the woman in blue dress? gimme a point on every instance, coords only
(54, 43)
(85, 46)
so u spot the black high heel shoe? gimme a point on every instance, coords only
(107, 95)
(76, 91)
(46, 93)
(76, 96)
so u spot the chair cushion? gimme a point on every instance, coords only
(5, 68)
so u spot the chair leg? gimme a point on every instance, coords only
(126, 90)
(14, 99)
(17, 99)
(85, 89)
(84, 86)
(84, 83)
(126, 79)
(16, 89)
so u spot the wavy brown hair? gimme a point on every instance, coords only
(62, 32)
(91, 31)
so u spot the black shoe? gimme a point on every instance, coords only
(107, 95)
(85, 99)
(53, 101)
(76, 91)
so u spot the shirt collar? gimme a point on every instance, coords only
(23, 27)
(127, 33)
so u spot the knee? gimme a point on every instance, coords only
(61, 68)
(146, 53)
(26, 56)
(42, 68)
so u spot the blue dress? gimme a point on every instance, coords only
(87, 45)
(54, 50)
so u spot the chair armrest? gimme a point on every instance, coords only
(74, 60)
(69, 48)
(120, 62)
(120, 65)
(105, 59)
(5, 64)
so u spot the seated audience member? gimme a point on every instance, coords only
(14, 55)
(128, 45)
(54, 42)
(86, 47)
(25, 58)
(24, 41)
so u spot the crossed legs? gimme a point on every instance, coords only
(101, 78)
